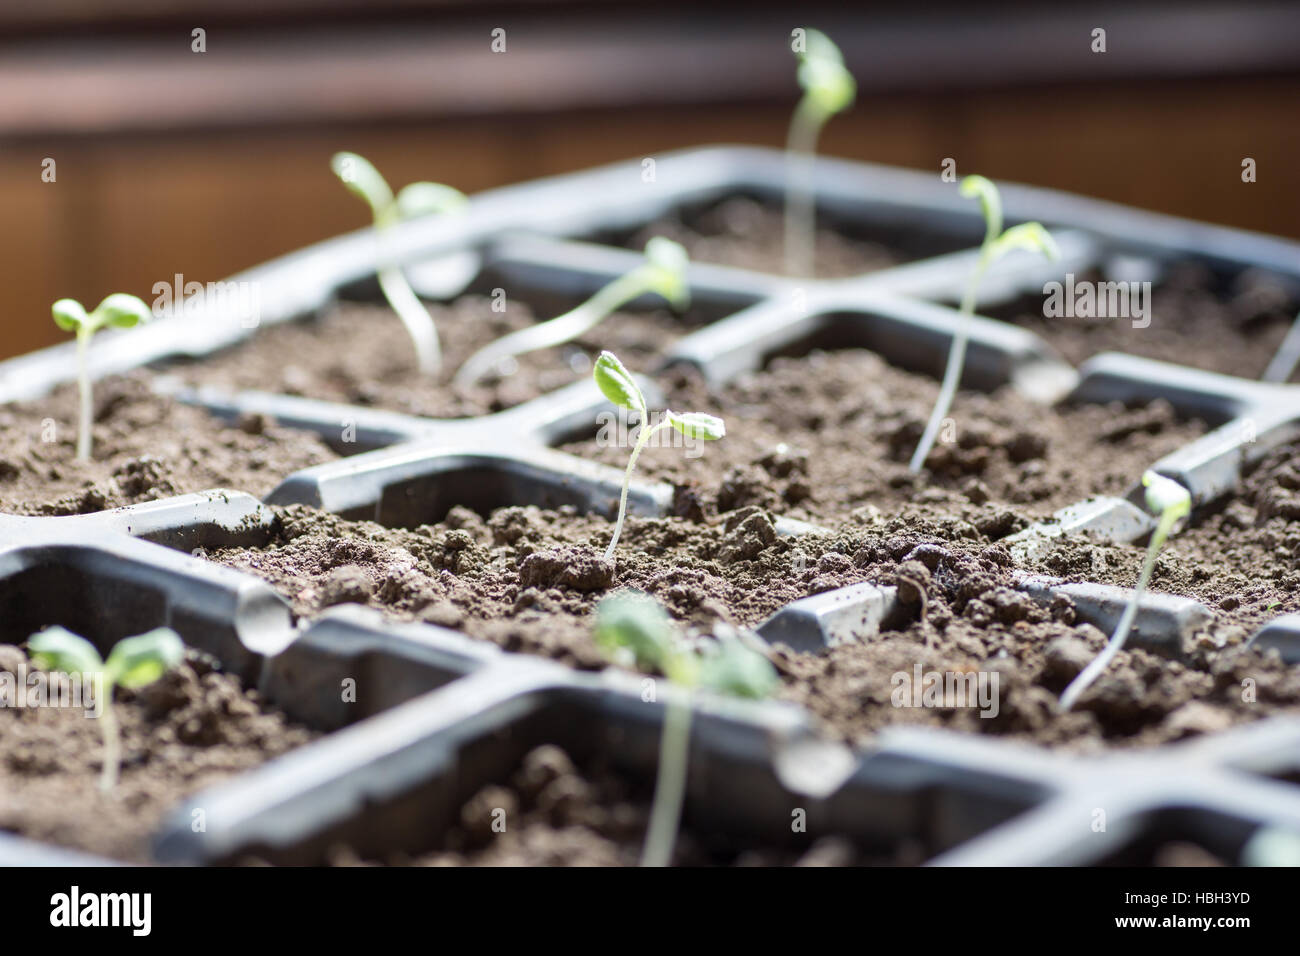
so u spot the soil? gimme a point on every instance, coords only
(192, 729)
(559, 814)
(817, 436)
(1197, 319)
(331, 360)
(747, 234)
(145, 447)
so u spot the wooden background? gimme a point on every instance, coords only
(170, 161)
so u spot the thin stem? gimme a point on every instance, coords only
(112, 744)
(83, 390)
(557, 331)
(641, 440)
(670, 783)
(952, 373)
(1102, 660)
(800, 211)
(416, 318)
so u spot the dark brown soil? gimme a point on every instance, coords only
(192, 729)
(361, 354)
(557, 814)
(816, 437)
(145, 447)
(747, 234)
(1234, 327)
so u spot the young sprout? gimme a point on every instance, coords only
(634, 630)
(828, 88)
(1170, 501)
(417, 199)
(119, 310)
(620, 388)
(1027, 235)
(133, 662)
(663, 273)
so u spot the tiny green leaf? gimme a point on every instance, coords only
(617, 384)
(638, 623)
(737, 669)
(122, 310)
(978, 187)
(1028, 235)
(137, 661)
(365, 181)
(426, 199)
(666, 275)
(698, 425)
(58, 649)
(823, 76)
(69, 314)
(1165, 496)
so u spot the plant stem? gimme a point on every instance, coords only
(416, 318)
(112, 743)
(956, 360)
(670, 782)
(83, 393)
(800, 212)
(1102, 660)
(641, 440)
(556, 331)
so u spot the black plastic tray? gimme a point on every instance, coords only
(438, 715)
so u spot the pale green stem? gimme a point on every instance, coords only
(800, 211)
(670, 783)
(641, 440)
(559, 330)
(83, 392)
(416, 318)
(1102, 660)
(956, 359)
(112, 743)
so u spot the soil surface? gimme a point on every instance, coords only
(193, 728)
(558, 814)
(747, 234)
(145, 447)
(361, 354)
(1230, 326)
(817, 436)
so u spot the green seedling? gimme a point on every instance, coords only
(417, 199)
(1171, 501)
(619, 387)
(635, 631)
(828, 88)
(663, 273)
(118, 310)
(133, 663)
(997, 243)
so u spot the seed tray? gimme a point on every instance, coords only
(438, 715)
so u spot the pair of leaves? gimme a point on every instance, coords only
(361, 177)
(825, 80)
(618, 385)
(1031, 236)
(636, 625)
(119, 310)
(133, 662)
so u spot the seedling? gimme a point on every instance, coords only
(119, 310)
(1170, 501)
(997, 243)
(620, 388)
(133, 662)
(663, 273)
(635, 631)
(417, 199)
(828, 88)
